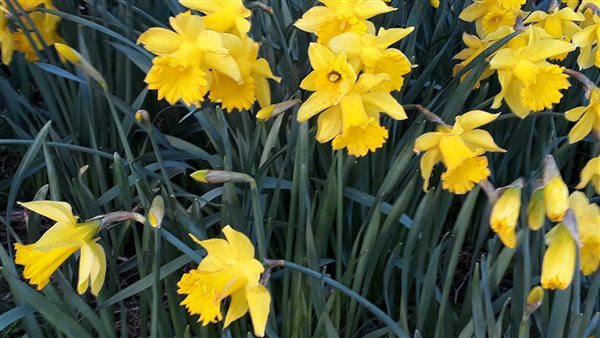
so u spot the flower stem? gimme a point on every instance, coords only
(392, 325)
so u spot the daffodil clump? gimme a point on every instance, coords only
(209, 54)
(20, 35)
(354, 72)
(461, 148)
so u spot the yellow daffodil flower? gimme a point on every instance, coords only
(475, 46)
(572, 4)
(350, 107)
(587, 118)
(558, 23)
(529, 82)
(337, 17)
(7, 41)
(556, 199)
(587, 41)
(184, 58)
(588, 227)
(459, 148)
(65, 237)
(371, 54)
(558, 265)
(587, 8)
(254, 71)
(536, 214)
(505, 215)
(46, 24)
(434, 3)
(229, 269)
(226, 16)
(590, 172)
(489, 15)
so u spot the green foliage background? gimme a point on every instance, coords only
(428, 260)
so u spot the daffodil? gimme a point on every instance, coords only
(184, 59)
(371, 54)
(587, 41)
(46, 25)
(529, 82)
(7, 41)
(226, 16)
(349, 107)
(229, 269)
(459, 149)
(254, 72)
(475, 46)
(572, 4)
(337, 17)
(556, 199)
(587, 118)
(505, 214)
(558, 265)
(558, 23)
(66, 236)
(588, 227)
(489, 15)
(536, 214)
(590, 172)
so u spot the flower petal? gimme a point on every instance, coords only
(57, 211)
(237, 308)
(259, 302)
(329, 124)
(315, 104)
(160, 41)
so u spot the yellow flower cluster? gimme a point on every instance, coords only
(208, 54)
(354, 72)
(577, 226)
(42, 33)
(461, 149)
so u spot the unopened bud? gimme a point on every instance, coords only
(536, 211)
(156, 212)
(275, 109)
(220, 176)
(143, 117)
(534, 300)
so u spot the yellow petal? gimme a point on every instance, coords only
(454, 151)
(558, 265)
(387, 37)
(590, 171)
(240, 243)
(219, 250)
(315, 104)
(57, 211)
(480, 140)
(359, 139)
(320, 57)
(463, 178)
(259, 302)
(329, 124)
(383, 102)
(314, 17)
(582, 128)
(188, 26)
(556, 199)
(427, 141)
(535, 210)
(505, 214)
(237, 308)
(349, 42)
(353, 111)
(428, 161)
(475, 118)
(160, 41)
(575, 113)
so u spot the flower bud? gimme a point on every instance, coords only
(66, 53)
(556, 199)
(534, 300)
(143, 117)
(220, 176)
(558, 265)
(535, 211)
(505, 214)
(275, 109)
(434, 3)
(156, 212)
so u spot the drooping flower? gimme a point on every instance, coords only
(558, 265)
(7, 41)
(505, 214)
(46, 25)
(65, 237)
(587, 118)
(226, 16)
(536, 214)
(371, 54)
(590, 173)
(556, 199)
(529, 82)
(349, 108)
(184, 58)
(459, 148)
(337, 17)
(588, 227)
(489, 15)
(229, 269)
(587, 41)
(254, 71)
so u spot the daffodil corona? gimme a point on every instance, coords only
(66, 236)
(229, 269)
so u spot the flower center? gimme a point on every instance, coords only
(334, 76)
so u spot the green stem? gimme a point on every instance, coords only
(156, 296)
(258, 221)
(159, 159)
(339, 226)
(349, 292)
